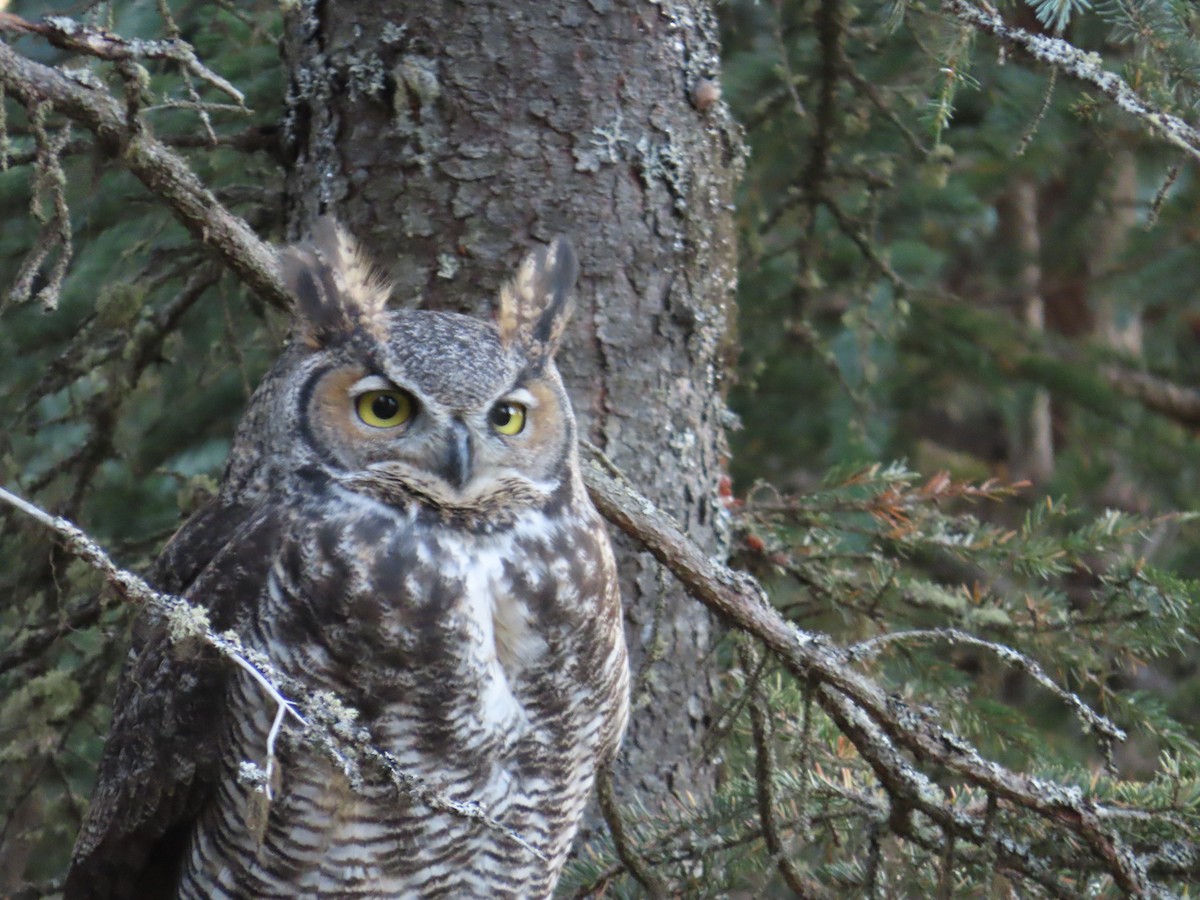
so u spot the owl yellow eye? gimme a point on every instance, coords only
(507, 418)
(385, 409)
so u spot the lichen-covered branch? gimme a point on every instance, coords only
(321, 717)
(1090, 719)
(881, 725)
(67, 34)
(1082, 65)
(163, 171)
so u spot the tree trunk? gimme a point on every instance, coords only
(450, 137)
(1019, 229)
(1117, 325)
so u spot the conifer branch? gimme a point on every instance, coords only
(1082, 65)
(881, 725)
(1092, 721)
(163, 171)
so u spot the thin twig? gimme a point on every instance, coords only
(1092, 720)
(764, 777)
(1160, 196)
(785, 63)
(641, 873)
(283, 708)
(67, 34)
(1039, 117)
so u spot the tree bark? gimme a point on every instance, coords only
(1117, 325)
(450, 138)
(1019, 229)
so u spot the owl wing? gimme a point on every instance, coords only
(160, 758)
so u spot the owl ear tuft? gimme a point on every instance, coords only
(536, 304)
(337, 290)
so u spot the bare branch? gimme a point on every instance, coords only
(160, 169)
(283, 708)
(67, 34)
(49, 183)
(35, 640)
(910, 790)
(1092, 720)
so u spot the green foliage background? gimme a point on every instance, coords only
(881, 319)
(118, 400)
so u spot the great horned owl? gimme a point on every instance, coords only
(402, 522)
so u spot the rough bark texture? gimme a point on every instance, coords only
(450, 137)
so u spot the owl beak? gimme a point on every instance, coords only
(456, 465)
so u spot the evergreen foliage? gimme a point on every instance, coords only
(952, 255)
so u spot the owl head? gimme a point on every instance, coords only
(453, 411)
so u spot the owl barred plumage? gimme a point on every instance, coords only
(402, 522)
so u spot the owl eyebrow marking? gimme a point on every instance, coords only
(372, 383)
(519, 395)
